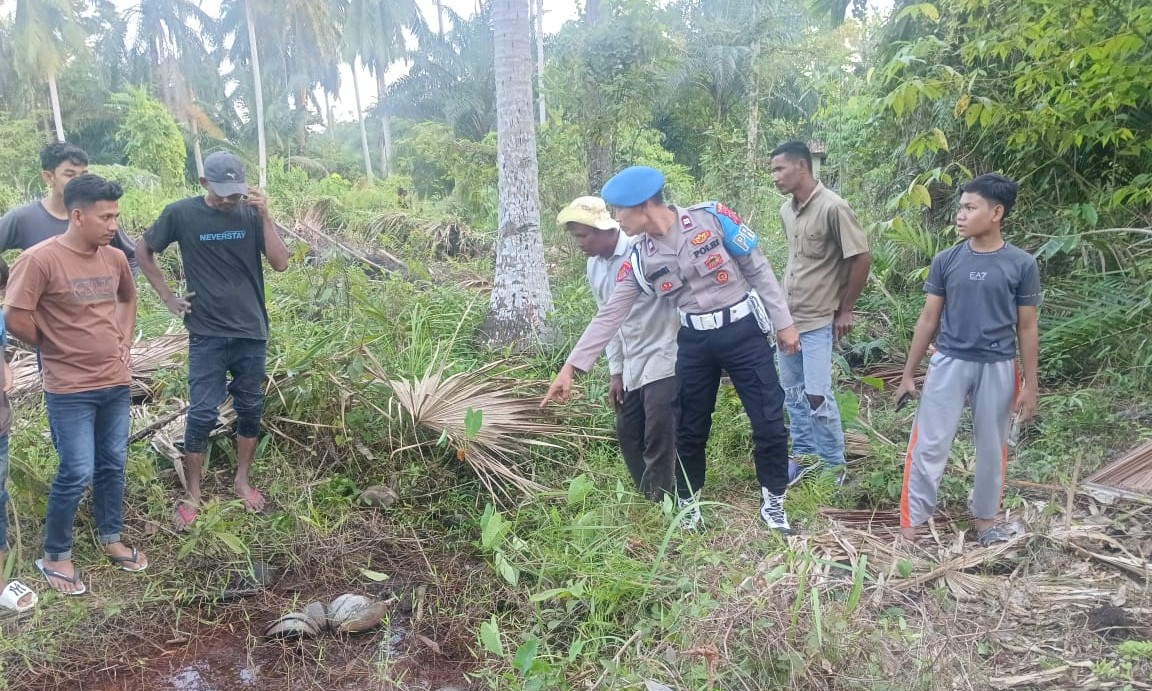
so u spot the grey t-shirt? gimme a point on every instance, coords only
(223, 264)
(31, 224)
(982, 292)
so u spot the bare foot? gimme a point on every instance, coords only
(62, 576)
(252, 498)
(983, 524)
(127, 558)
(185, 514)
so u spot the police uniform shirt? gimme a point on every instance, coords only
(691, 266)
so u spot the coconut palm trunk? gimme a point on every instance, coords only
(197, 153)
(387, 149)
(57, 120)
(261, 141)
(363, 127)
(521, 297)
(540, 59)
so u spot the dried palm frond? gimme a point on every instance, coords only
(167, 423)
(148, 357)
(1132, 472)
(152, 356)
(856, 444)
(511, 421)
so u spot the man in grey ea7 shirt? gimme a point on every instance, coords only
(641, 356)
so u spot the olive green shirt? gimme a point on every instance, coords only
(823, 234)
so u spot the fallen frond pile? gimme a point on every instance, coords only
(148, 358)
(510, 427)
(1130, 474)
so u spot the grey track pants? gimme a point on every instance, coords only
(989, 387)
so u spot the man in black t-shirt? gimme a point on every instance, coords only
(221, 236)
(24, 226)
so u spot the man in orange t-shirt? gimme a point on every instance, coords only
(73, 297)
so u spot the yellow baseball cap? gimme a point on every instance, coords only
(589, 211)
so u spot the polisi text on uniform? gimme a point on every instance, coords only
(706, 248)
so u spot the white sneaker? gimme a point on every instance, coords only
(772, 512)
(692, 520)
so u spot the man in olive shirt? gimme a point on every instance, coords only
(828, 263)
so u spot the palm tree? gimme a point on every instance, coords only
(312, 44)
(374, 32)
(363, 129)
(45, 34)
(300, 37)
(452, 79)
(521, 298)
(538, 11)
(172, 38)
(261, 140)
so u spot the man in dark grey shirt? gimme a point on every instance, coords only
(222, 237)
(35, 222)
(982, 297)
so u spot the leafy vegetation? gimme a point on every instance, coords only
(584, 585)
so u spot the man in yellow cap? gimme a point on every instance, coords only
(641, 356)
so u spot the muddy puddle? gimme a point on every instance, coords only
(224, 660)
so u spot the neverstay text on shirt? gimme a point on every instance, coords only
(226, 235)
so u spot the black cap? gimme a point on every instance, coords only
(225, 174)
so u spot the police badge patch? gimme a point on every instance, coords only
(665, 286)
(729, 213)
(722, 277)
(651, 246)
(701, 237)
(624, 272)
(686, 221)
(713, 261)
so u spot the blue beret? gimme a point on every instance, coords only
(633, 186)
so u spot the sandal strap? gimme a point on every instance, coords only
(74, 579)
(120, 560)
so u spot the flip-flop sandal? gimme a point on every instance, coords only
(187, 514)
(13, 593)
(254, 494)
(75, 579)
(993, 535)
(131, 559)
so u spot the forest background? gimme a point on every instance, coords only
(905, 103)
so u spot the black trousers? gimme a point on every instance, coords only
(646, 428)
(745, 353)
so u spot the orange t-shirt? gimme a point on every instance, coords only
(73, 296)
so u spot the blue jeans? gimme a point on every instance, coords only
(91, 435)
(3, 497)
(815, 431)
(211, 359)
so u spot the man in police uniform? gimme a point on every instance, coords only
(707, 262)
(641, 357)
